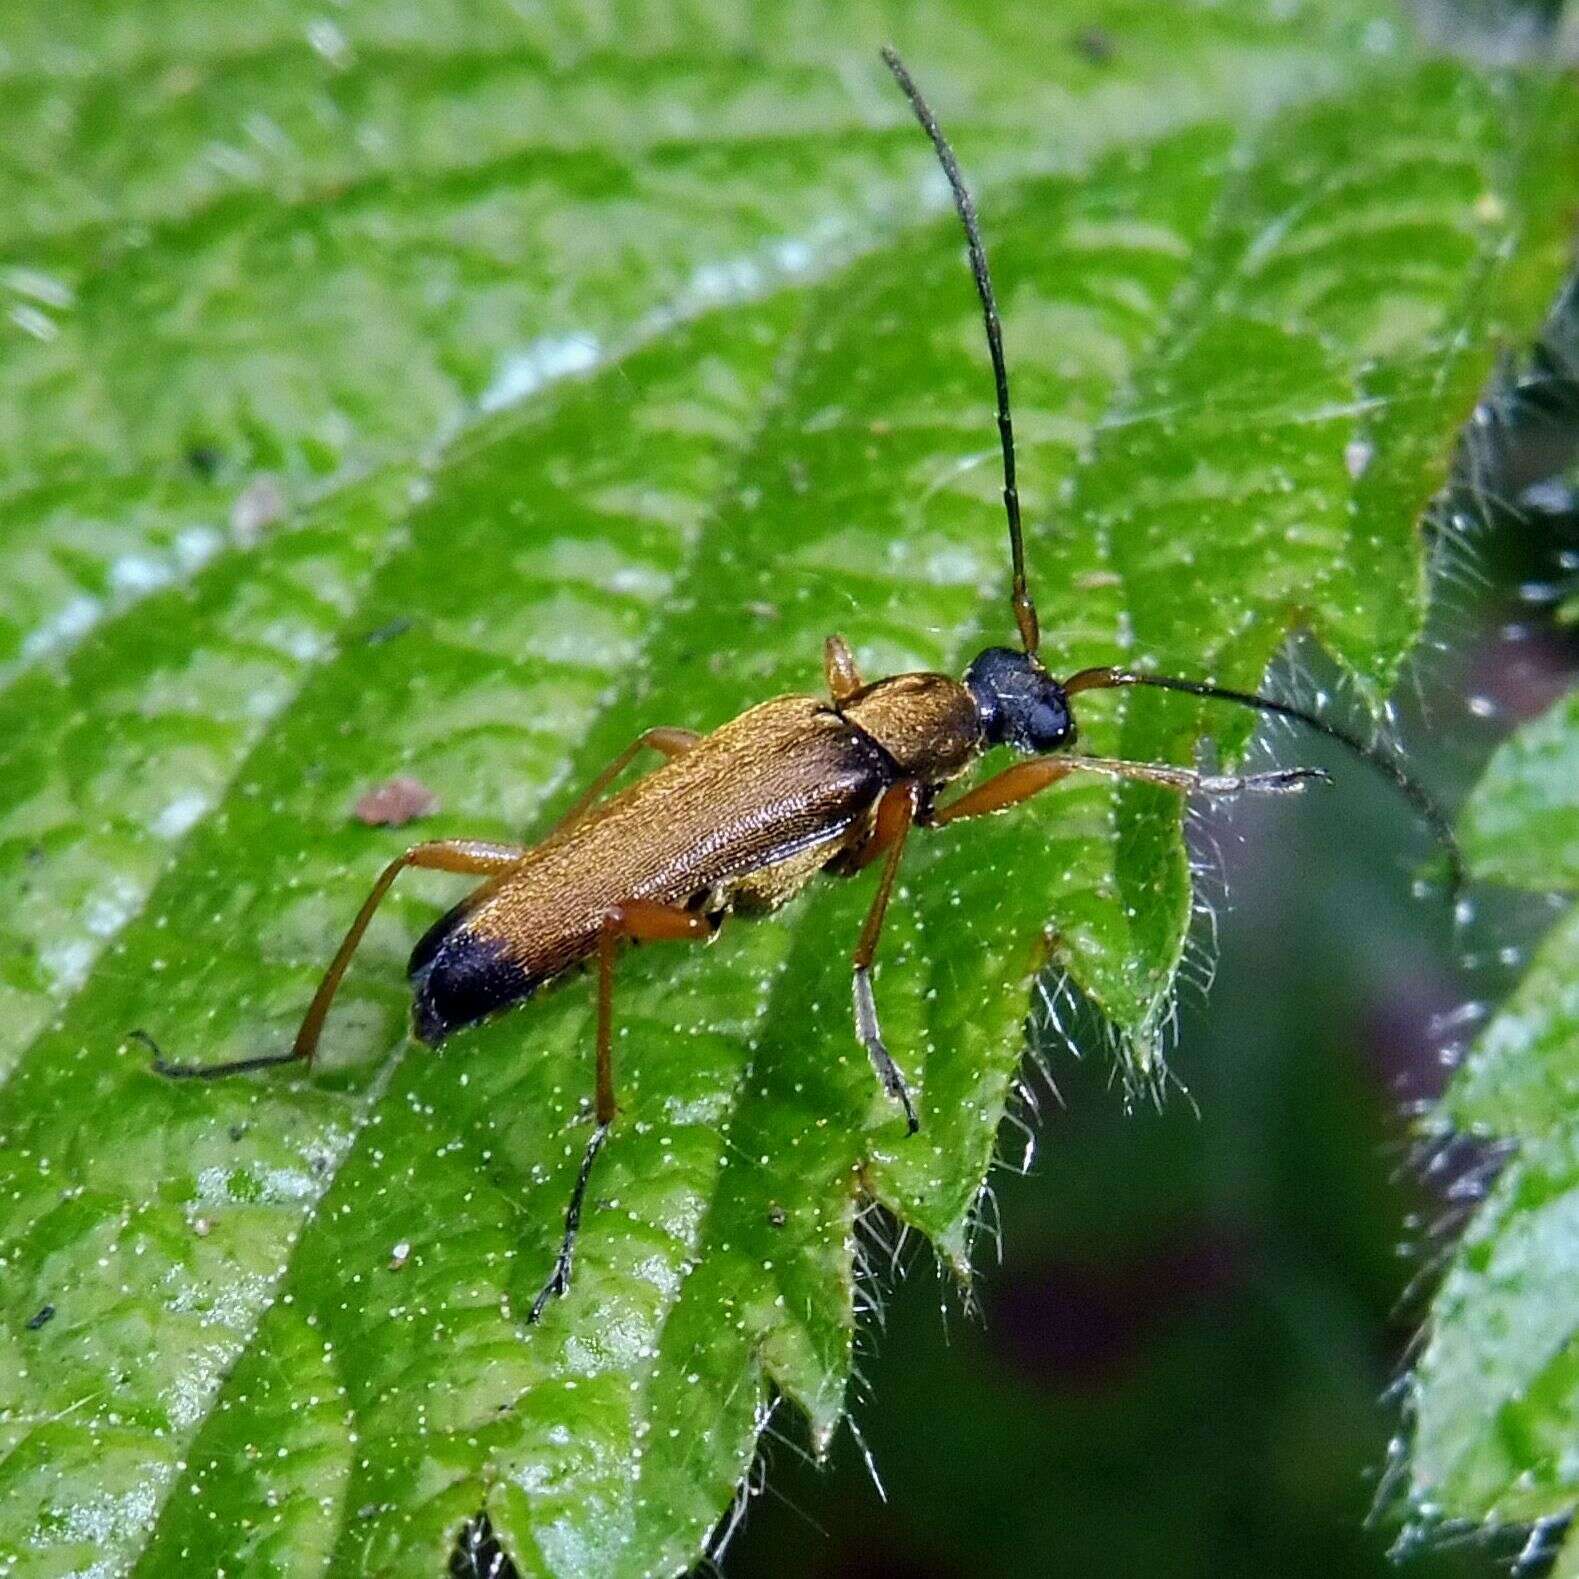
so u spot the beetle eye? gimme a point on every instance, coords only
(1051, 726)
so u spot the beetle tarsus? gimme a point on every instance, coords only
(871, 1038)
(1282, 781)
(236, 1066)
(559, 1279)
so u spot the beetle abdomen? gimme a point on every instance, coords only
(753, 810)
(461, 977)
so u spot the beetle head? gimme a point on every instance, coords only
(1019, 703)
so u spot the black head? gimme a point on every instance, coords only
(1019, 703)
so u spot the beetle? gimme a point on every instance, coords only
(738, 821)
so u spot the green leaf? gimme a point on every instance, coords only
(1522, 1075)
(1496, 1390)
(456, 395)
(1521, 826)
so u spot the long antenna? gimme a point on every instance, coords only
(1024, 608)
(1104, 679)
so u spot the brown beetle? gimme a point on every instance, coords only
(740, 820)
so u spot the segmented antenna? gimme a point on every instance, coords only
(1024, 608)
(1104, 679)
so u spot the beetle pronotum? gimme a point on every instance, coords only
(740, 820)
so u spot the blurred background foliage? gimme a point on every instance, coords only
(1189, 1361)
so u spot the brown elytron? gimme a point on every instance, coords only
(740, 820)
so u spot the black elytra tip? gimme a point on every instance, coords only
(459, 977)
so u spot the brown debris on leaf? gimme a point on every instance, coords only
(395, 802)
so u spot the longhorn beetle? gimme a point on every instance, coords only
(742, 819)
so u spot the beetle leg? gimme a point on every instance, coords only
(671, 742)
(896, 813)
(474, 857)
(838, 664)
(643, 921)
(1026, 779)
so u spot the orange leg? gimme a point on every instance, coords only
(896, 814)
(671, 742)
(643, 921)
(838, 664)
(1026, 779)
(646, 923)
(473, 857)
